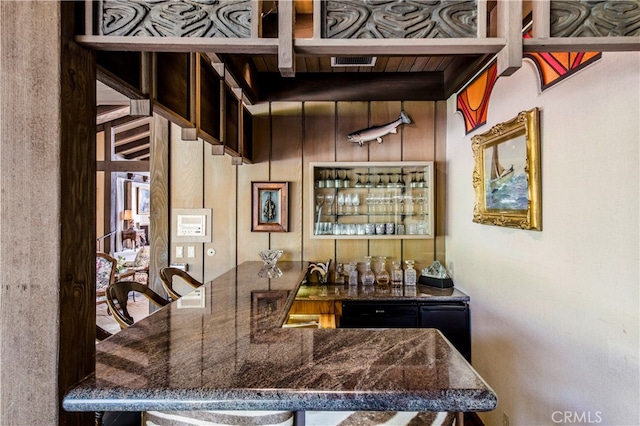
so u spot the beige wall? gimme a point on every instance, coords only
(288, 136)
(555, 313)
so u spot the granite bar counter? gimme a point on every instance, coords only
(223, 348)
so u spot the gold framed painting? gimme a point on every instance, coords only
(269, 207)
(506, 177)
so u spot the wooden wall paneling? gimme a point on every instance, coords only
(391, 147)
(159, 218)
(172, 86)
(247, 135)
(440, 178)
(220, 194)
(318, 145)
(231, 119)
(286, 152)
(208, 97)
(419, 145)
(100, 219)
(351, 116)
(187, 190)
(66, 119)
(249, 244)
(418, 137)
(389, 150)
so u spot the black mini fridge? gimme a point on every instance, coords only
(453, 320)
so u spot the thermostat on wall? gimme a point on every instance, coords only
(192, 225)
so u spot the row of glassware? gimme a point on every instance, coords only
(381, 276)
(383, 202)
(339, 178)
(389, 228)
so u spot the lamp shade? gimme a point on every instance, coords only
(127, 215)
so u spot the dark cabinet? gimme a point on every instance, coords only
(451, 318)
(379, 315)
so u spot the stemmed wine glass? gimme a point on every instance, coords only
(319, 203)
(421, 199)
(347, 202)
(329, 198)
(356, 202)
(340, 203)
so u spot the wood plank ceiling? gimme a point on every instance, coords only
(130, 134)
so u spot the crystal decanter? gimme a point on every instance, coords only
(410, 276)
(382, 277)
(353, 274)
(396, 273)
(368, 277)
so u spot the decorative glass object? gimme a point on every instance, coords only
(270, 258)
(382, 277)
(410, 276)
(353, 274)
(436, 270)
(339, 274)
(396, 273)
(368, 277)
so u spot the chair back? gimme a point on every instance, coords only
(105, 273)
(142, 257)
(166, 276)
(118, 295)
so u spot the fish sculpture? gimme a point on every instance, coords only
(377, 132)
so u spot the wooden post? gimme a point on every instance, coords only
(510, 28)
(286, 23)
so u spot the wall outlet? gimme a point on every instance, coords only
(179, 252)
(191, 251)
(505, 419)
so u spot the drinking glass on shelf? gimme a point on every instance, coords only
(346, 182)
(400, 183)
(340, 203)
(368, 183)
(329, 183)
(386, 199)
(356, 202)
(329, 199)
(380, 184)
(359, 183)
(408, 204)
(319, 202)
(420, 199)
(347, 203)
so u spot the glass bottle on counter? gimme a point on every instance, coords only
(382, 277)
(339, 274)
(353, 274)
(368, 277)
(410, 276)
(396, 273)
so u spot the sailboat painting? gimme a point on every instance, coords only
(506, 181)
(506, 175)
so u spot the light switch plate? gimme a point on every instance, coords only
(191, 251)
(179, 252)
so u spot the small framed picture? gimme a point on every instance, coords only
(143, 201)
(269, 206)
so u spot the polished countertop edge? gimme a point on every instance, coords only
(92, 394)
(288, 400)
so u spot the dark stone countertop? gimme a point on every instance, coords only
(233, 355)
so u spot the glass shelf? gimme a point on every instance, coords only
(372, 200)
